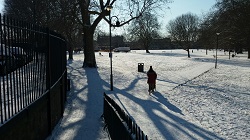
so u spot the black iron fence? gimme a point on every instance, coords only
(33, 79)
(119, 124)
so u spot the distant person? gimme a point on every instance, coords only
(151, 79)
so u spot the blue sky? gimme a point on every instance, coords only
(179, 7)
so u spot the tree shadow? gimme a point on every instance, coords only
(231, 62)
(166, 124)
(82, 116)
(181, 53)
(85, 106)
(158, 96)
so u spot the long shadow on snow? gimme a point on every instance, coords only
(95, 94)
(173, 120)
(231, 62)
(218, 90)
(94, 100)
(174, 54)
(158, 96)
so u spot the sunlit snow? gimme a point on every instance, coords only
(193, 100)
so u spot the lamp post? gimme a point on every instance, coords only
(109, 8)
(217, 35)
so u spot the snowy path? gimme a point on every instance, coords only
(193, 100)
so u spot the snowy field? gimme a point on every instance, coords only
(193, 100)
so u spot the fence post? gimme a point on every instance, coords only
(48, 78)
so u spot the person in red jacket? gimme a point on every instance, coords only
(151, 79)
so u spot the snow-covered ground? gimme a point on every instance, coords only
(193, 100)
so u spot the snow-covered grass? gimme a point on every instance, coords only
(193, 100)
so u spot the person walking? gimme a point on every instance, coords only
(151, 79)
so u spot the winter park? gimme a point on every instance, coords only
(193, 100)
(125, 70)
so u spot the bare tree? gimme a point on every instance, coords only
(144, 30)
(88, 14)
(184, 30)
(91, 12)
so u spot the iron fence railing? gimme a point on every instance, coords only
(32, 61)
(120, 126)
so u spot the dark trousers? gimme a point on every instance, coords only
(151, 87)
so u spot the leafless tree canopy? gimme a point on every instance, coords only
(92, 12)
(69, 15)
(144, 29)
(184, 30)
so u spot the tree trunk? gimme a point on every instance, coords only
(248, 45)
(188, 53)
(70, 51)
(248, 51)
(89, 52)
(146, 45)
